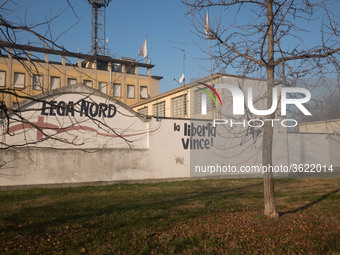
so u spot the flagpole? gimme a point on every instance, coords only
(184, 64)
(208, 35)
(147, 50)
(210, 57)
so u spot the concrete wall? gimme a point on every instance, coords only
(153, 149)
(164, 159)
(334, 152)
(83, 149)
(303, 149)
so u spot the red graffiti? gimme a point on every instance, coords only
(40, 125)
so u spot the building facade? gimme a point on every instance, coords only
(181, 102)
(186, 101)
(28, 71)
(321, 127)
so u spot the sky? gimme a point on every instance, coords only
(128, 22)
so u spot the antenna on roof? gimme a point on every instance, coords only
(182, 79)
(98, 26)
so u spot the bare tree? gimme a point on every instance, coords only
(13, 42)
(268, 38)
(326, 107)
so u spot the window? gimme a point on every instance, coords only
(15, 104)
(55, 82)
(198, 101)
(130, 91)
(117, 90)
(102, 87)
(144, 92)
(102, 65)
(142, 70)
(2, 78)
(143, 111)
(19, 80)
(88, 83)
(38, 82)
(87, 64)
(71, 81)
(159, 109)
(116, 67)
(130, 69)
(179, 106)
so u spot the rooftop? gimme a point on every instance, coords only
(64, 52)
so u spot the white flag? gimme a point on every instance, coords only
(207, 27)
(143, 51)
(181, 79)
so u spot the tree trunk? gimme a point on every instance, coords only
(267, 149)
(267, 143)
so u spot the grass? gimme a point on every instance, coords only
(188, 217)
